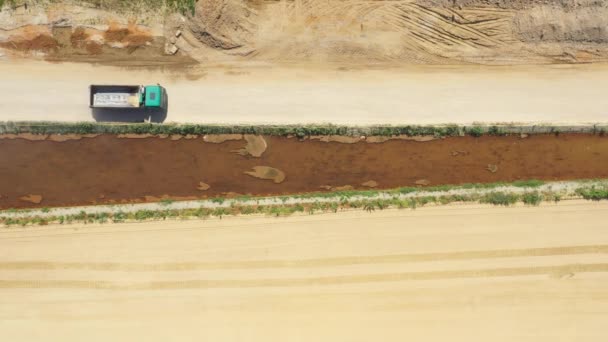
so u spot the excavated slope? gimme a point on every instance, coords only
(321, 31)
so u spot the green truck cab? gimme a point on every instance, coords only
(128, 96)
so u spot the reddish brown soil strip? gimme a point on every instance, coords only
(131, 36)
(107, 169)
(41, 42)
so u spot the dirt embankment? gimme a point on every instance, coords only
(64, 32)
(320, 31)
(109, 169)
(423, 31)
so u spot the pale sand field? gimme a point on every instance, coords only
(457, 273)
(264, 94)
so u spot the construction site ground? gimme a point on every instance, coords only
(71, 170)
(456, 272)
(459, 273)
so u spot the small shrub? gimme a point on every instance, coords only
(499, 198)
(119, 216)
(593, 194)
(247, 210)
(553, 197)
(495, 130)
(218, 200)
(475, 131)
(531, 198)
(531, 183)
(369, 207)
(166, 201)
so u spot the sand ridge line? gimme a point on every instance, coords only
(304, 263)
(554, 271)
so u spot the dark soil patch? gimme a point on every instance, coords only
(77, 172)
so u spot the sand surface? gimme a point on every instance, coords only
(260, 93)
(458, 273)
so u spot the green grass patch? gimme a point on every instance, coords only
(593, 193)
(300, 131)
(279, 210)
(166, 201)
(500, 198)
(532, 183)
(218, 200)
(532, 198)
(181, 6)
(475, 131)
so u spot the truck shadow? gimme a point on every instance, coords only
(155, 115)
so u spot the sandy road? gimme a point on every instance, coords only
(264, 94)
(463, 273)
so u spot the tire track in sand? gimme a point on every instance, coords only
(559, 270)
(303, 263)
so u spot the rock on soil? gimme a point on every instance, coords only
(337, 188)
(220, 138)
(423, 182)
(171, 49)
(492, 168)
(381, 139)
(267, 172)
(336, 138)
(203, 186)
(67, 137)
(370, 184)
(148, 198)
(25, 136)
(231, 194)
(256, 146)
(135, 136)
(459, 153)
(343, 188)
(36, 199)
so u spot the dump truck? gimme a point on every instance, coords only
(128, 96)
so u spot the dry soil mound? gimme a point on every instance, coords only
(267, 172)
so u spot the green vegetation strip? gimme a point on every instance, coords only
(499, 198)
(289, 130)
(532, 183)
(181, 6)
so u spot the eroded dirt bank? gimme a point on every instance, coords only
(111, 169)
(406, 31)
